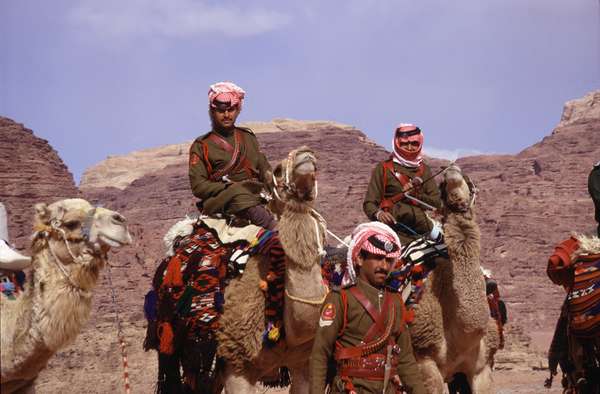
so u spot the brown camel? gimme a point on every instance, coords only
(302, 233)
(453, 331)
(69, 249)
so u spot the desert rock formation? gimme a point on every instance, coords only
(527, 203)
(30, 172)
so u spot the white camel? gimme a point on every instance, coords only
(70, 243)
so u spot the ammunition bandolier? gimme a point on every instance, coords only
(366, 331)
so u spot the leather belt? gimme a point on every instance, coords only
(371, 367)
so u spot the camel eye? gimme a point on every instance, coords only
(72, 225)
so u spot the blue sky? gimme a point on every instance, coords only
(107, 77)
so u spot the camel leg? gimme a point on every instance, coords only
(299, 378)
(432, 378)
(18, 387)
(236, 383)
(481, 383)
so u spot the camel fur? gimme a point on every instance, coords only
(587, 245)
(453, 331)
(69, 247)
(301, 231)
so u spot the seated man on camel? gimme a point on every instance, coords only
(227, 170)
(401, 188)
(400, 192)
(575, 265)
(231, 177)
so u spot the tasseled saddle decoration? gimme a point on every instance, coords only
(189, 300)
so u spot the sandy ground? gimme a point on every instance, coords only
(93, 365)
(505, 382)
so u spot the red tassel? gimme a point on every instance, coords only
(409, 316)
(173, 277)
(165, 333)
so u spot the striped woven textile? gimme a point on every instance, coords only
(583, 300)
(415, 264)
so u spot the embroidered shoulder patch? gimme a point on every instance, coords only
(327, 315)
(194, 159)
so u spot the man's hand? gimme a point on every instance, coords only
(385, 217)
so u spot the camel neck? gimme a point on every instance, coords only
(461, 280)
(59, 310)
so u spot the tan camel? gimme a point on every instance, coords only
(69, 249)
(302, 234)
(453, 331)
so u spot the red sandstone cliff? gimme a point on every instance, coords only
(527, 203)
(30, 172)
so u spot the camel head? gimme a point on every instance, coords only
(73, 228)
(296, 176)
(458, 192)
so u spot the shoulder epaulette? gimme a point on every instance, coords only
(246, 129)
(202, 137)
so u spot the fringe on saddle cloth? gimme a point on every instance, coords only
(184, 311)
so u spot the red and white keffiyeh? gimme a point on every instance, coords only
(408, 132)
(225, 92)
(374, 237)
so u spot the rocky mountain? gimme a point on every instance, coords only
(121, 171)
(527, 203)
(531, 201)
(30, 172)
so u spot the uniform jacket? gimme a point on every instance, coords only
(404, 212)
(358, 323)
(218, 196)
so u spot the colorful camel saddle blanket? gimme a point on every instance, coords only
(583, 300)
(184, 308)
(203, 256)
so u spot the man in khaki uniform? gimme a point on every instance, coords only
(227, 170)
(362, 326)
(395, 180)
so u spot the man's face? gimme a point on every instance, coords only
(374, 268)
(224, 117)
(409, 146)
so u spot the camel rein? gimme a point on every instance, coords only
(120, 334)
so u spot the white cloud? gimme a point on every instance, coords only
(451, 154)
(172, 19)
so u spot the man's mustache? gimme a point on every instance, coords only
(381, 271)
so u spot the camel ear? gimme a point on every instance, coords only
(42, 213)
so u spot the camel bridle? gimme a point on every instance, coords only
(56, 227)
(287, 185)
(289, 188)
(461, 207)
